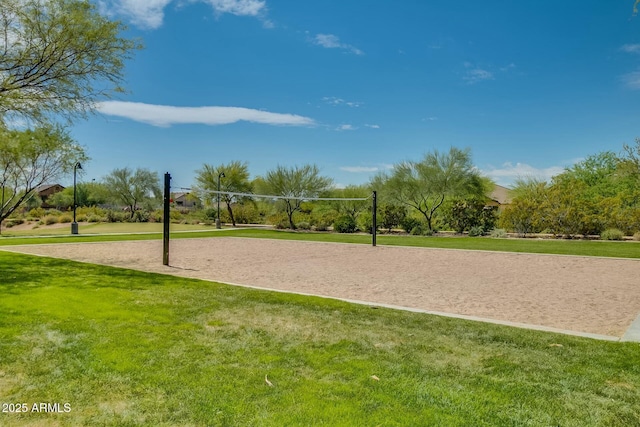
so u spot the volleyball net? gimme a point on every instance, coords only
(268, 197)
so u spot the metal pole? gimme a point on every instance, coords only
(167, 218)
(218, 225)
(74, 224)
(374, 217)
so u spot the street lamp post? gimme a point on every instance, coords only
(74, 224)
(218, 225)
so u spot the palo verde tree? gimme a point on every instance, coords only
(132, 188)
(425, 185)
(58, 57)
(29, 158)
(235, 180)
(294, 185)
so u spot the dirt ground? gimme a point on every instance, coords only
(583, 294)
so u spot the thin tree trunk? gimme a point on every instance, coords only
(233, 220)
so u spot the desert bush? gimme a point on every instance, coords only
(344, 224)
(409, 223)
(303, 225)
(246, 213)
(322, 219)
(636, 236)
(50, 219)
(365, 221)
(13, 222)
(65, 218)
(141, 216)
(612, 234)
(82, 218)
(421, 229)
(115, 216)
(37, 213)
(391, 216)
(476, 231)
(278, 220)
(498, 233)
(94, 218)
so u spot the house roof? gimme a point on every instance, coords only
(501, 194)
(44, 187)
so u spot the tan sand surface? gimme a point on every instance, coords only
(583, 294)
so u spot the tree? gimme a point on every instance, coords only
(524, 215)
(236, 180)
(58, 57)
(294, 185)
(87, 194)
(351, 207)
(425, 185)
(132, 188)
(29, 158)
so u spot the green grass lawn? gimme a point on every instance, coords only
(563, 247)
(126, 348)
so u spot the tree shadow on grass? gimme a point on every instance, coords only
(20, 272)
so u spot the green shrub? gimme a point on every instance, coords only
(476, 231)
(421, 230)
(65, 218)
(498, 233)
(409, 223)
(612, 234)
(636, 236)
(345, 224)
(116, 216)
(303, 225)
(13, 222)
(365, 221)
(141, 216)
(278, 220)
(37, 213)
(50, 219)
(94, 218)
(82, 218)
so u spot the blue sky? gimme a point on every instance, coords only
(354, 87)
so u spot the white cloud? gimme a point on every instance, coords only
(346, 127)
(331, 41)
(631, 48)
(366, 169)
(332, 100)
(373, 126)
(359, 169)
(166, 115)
(477, 75)
(509, 172)
(632, 80)
(237, 7)
(141, 13)
(149, 14)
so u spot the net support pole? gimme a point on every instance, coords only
(166, 220)
(374, 219)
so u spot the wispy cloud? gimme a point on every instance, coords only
(508, 172)
(631, 48)
(631, 80)
(332, 100)
(477, 75)
(366, 169)
(346, 127)
(331, 41)
(166, 115)
(149, 14)
(372, 126)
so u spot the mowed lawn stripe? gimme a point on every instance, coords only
(546, 246)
